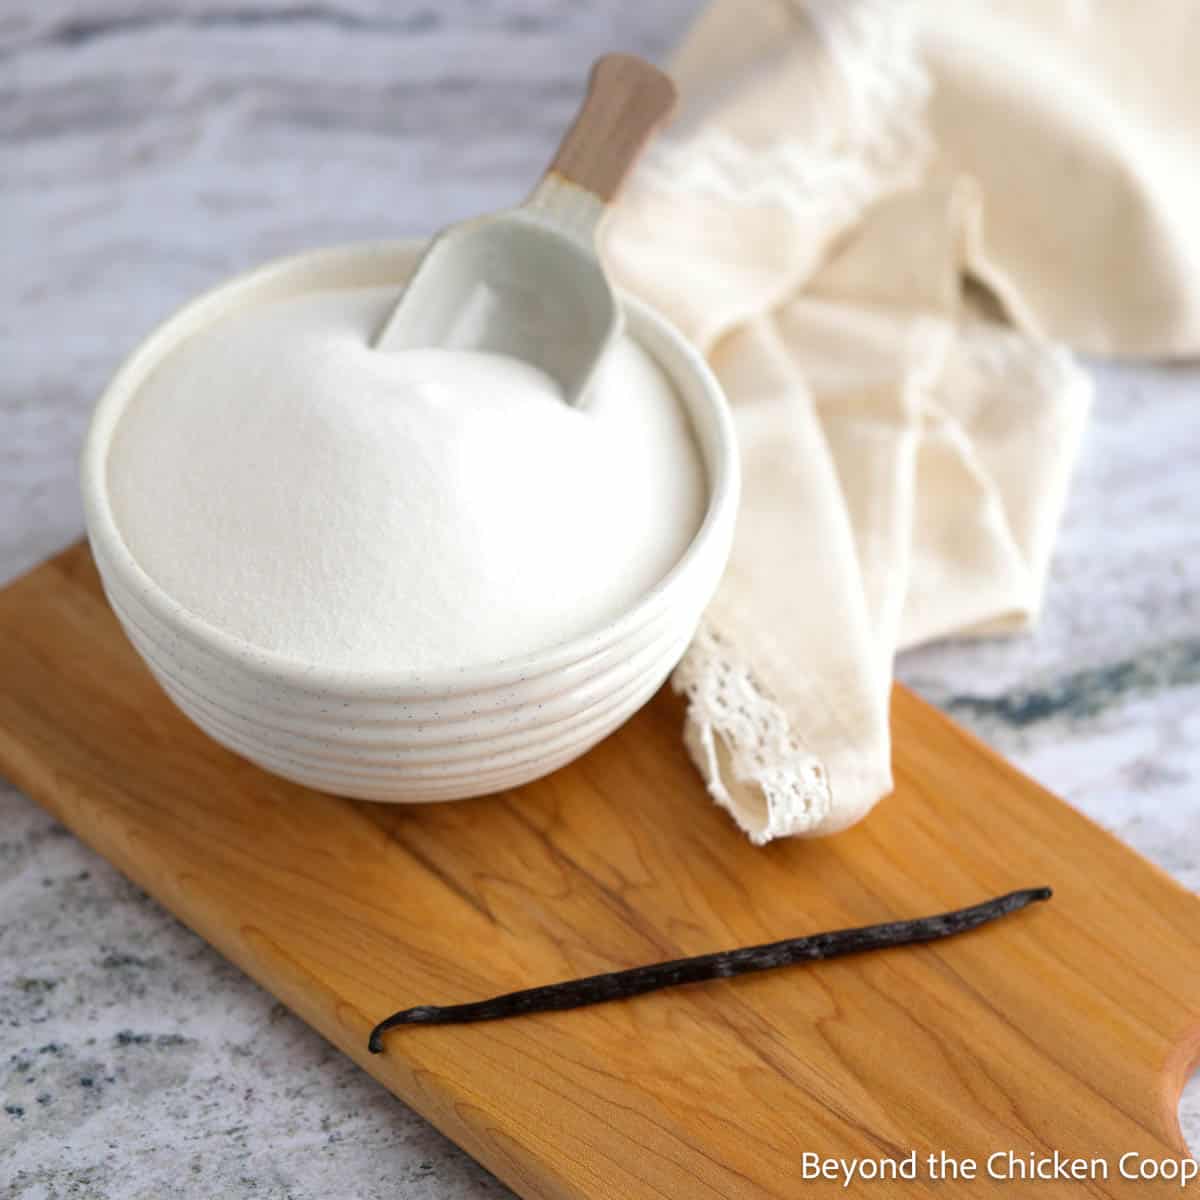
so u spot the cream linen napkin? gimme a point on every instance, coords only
(872, 216)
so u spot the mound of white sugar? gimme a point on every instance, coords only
(387, 511)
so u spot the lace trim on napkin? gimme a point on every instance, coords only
(877, 139)
(742, 742)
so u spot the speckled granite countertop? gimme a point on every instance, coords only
(148, 150)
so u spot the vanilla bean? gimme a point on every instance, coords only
(620, 985)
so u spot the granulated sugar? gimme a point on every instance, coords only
(427, 509)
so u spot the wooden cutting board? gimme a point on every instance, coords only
(1069, 1027)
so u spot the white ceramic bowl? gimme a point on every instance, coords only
(408, 736)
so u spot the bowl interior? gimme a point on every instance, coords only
(383, 264)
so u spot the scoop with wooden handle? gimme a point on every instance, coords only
(528, 282)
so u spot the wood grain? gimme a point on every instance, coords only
(1069, 1027)
(627, 99)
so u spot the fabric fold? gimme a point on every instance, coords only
(817, 224)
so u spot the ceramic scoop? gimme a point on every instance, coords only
(528, 282)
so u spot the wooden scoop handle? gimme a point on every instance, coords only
(626, 99)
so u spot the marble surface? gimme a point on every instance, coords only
(148, 150)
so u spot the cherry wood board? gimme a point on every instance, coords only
(1070, 1026)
